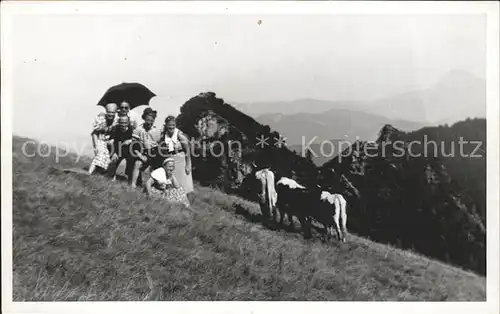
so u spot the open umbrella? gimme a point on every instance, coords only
(135, 94)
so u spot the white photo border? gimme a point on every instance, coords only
(11, 9)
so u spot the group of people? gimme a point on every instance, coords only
(162, 153)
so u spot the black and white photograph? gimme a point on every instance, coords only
(250, 151)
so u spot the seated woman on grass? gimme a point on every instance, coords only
(163, 183)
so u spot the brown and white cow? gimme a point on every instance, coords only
(310, 203)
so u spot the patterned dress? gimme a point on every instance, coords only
(102, 157)
(164, 188)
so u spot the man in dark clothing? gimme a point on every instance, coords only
(121, 149)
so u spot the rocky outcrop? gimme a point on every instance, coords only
(224, 143)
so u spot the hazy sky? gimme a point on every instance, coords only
(63, 64)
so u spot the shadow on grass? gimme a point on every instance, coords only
(239, 209)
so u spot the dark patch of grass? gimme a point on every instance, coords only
(77, 237)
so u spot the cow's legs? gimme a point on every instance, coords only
(264, 209)
(282, 215)
(302, 222)
(330, 231)
(290, 220)
(336, 218)
(307, 226)
(327, 231)
(275, 213)
(343, 216)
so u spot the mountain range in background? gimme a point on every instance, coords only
(339, 123)
(458, 95)
(297, 106)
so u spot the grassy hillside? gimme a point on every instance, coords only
(77, 237)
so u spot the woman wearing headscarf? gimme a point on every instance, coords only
(174, 144)
(145, 146)
(101, 137)
(164, 183)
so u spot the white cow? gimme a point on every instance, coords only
(267, 194)
(339, 213)
(292, 184)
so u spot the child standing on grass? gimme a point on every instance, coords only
(163, 183)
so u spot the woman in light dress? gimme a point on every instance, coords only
(174, 144)
(101, 132)
(164, 183)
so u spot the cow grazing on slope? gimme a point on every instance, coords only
(295, 200)
(312, 203)
(267, 193)
(337, 205)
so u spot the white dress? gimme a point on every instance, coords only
(179, 156)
